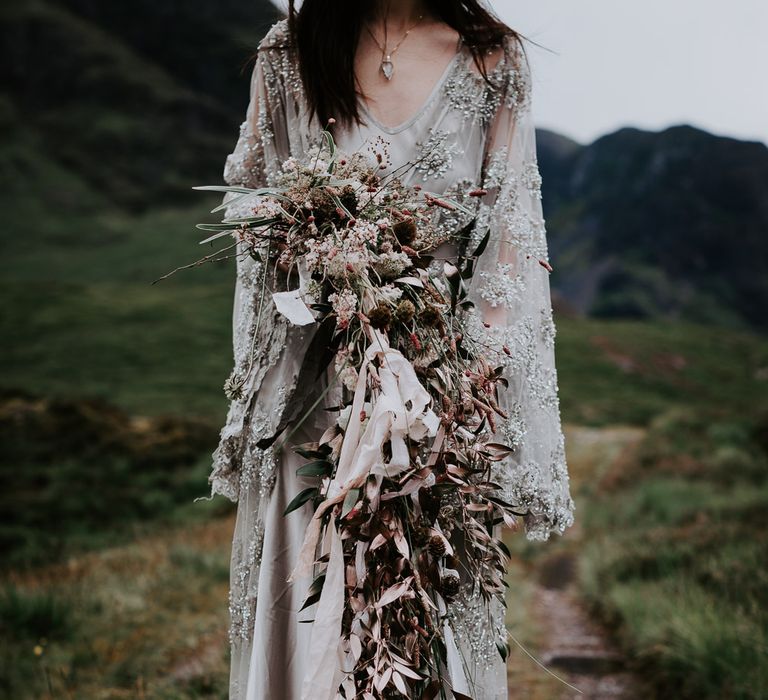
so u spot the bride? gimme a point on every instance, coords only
(443, 84)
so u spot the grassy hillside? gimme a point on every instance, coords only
(675, 554)
(138, 118)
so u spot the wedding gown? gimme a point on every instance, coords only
(465, 135)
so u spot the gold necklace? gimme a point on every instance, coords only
(386, 66)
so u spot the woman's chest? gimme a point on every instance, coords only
(440, 146)
(437, 151)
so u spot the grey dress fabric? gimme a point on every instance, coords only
(467, 134)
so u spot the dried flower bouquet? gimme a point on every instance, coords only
(406, 512)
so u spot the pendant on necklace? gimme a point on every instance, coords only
(387, 67)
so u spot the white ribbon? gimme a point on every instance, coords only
(400, 409)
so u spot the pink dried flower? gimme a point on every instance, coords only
(545, 265)
(433, 201)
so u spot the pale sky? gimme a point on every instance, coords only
(648, 64)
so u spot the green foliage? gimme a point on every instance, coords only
(142, 619)
(30, 615)
(632, 371)
(675, 553)
(82, 474)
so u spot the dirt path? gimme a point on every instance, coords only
(580, 650)
(568, 642)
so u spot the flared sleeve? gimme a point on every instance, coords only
(513, 310)
(258, 331)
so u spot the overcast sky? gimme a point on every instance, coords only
(648, 64)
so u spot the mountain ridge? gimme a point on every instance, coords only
(661, 224)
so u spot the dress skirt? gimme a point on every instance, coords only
(275, 666)
(280, 639)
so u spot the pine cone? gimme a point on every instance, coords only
(437, 546)
(450, 584)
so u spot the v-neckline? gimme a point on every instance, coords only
(427, 102)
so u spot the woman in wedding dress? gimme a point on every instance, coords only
(444, 84)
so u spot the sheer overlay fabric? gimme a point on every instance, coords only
(467, 134)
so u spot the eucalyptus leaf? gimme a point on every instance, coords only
(216, 236)
(320, 467)
(301, 499)
(216, 227)
(314, 592)
(351, 498)
(223, 188)
(482, 245)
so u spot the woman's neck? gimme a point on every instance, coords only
(398, 13)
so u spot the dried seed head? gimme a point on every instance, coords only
(437, 546)
(421, 536)
(429, 316)
(405, 231)
(380, 317)
(405, 311)
(450, 584)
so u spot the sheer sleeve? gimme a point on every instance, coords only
(246, 166)
(513, 311)
(257, 339)
(263, 133)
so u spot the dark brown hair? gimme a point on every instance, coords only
(325, 34)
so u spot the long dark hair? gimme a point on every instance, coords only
(325, 34)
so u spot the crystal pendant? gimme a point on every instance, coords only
(387, 67)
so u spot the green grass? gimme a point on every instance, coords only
(144, 620)
(81, 317)
(675, 552)
(631, 371)
(151, 350)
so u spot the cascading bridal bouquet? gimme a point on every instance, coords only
(406, 512)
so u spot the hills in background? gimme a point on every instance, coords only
(674, 223)
(123, 106)
(132, 101)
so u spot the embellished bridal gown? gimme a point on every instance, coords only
(466, 134)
